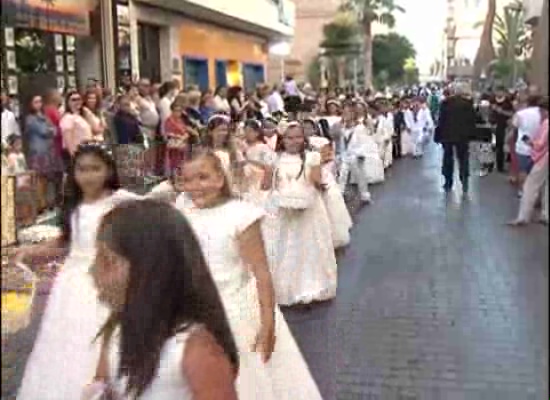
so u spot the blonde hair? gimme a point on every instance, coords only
(194, 97)
(182, 99)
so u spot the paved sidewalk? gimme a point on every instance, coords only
(438, 299)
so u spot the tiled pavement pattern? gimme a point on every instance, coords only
(437, 299)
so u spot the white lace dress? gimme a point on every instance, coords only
(340, 219)
(305, 268)
(63, 359)
(286, 376)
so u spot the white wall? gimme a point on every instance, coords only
(260, 12)
(532, 9)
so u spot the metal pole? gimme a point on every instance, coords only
(282, 69)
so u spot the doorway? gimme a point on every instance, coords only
(221, 73)
(195, 72)
(149, 51)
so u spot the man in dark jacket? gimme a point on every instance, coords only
(457, 123)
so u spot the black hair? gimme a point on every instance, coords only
(14, 137)
(72, 194)
(169, 290)
(257, 127)
(533, 101)
(166, 88)
(324, 129)
(280, 147)
(68, 96)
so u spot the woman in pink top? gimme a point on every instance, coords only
(75, 128)
(536, 183)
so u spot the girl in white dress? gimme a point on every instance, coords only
(168, 337)
(64, 356)
(340, 220)
(259, 163)
(305, 269)
(271, 365)
(258, 173)
(219, 138)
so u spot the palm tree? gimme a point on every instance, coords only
(340, 41)
(486, 51)
(513, 41)
(512, 36)
(368, 12)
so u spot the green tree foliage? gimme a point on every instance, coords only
(367, 12)
(389, 53)
(341, 42)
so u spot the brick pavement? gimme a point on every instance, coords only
(437, 299)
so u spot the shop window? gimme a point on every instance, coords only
(221, 73)
(253, 75)
(195, 72)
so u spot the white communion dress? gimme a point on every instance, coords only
(262, 154)
(169, 382)
(64, 357)
(305, 268)
(286, 375)
(340, 219)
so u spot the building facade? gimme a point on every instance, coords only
(311, 16)
(536, 15)
(207, 43)
(464, 26)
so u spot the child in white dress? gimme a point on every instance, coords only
(172, 340)
(64, 356)
(271, 365)
(340, 219)
(305, 269)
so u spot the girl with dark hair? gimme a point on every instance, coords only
(229, 231)
(74, 125)
(359, 161)
(63, 358)
(340, 219)
(178, 346)
(94, 114)
(271, 136)
(237, 103)
(258, 174)
(221, 104)
(305, 267)
(220, 139)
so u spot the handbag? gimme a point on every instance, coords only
(294, 194)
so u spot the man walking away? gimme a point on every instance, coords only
(502, 111)
(457, 121)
